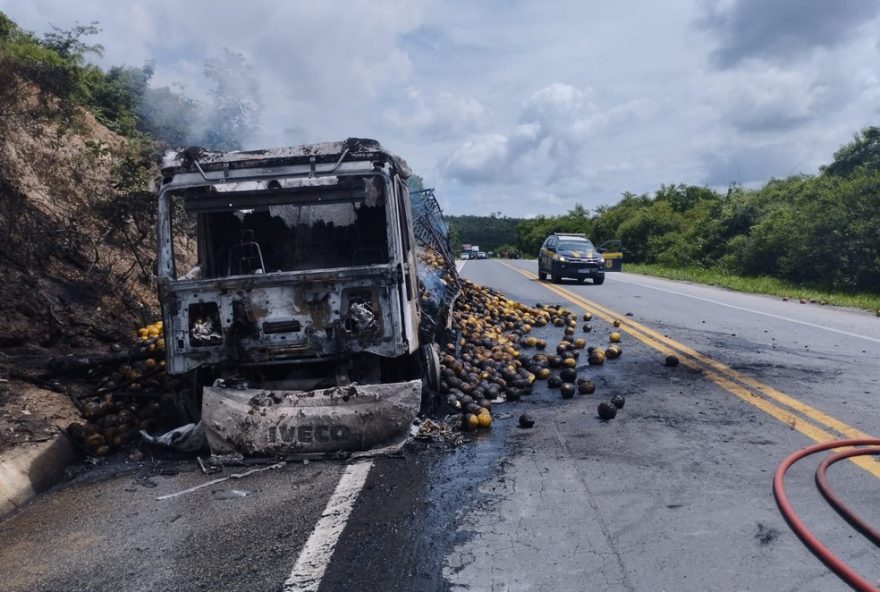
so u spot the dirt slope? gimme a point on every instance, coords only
(75, 257)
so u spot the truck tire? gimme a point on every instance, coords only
(541, 275)
(431, 366)
(599, 280)
(430, 362)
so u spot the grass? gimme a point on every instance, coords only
(758, 285)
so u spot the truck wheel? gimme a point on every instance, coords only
(431, 366)
(430, 362)
(542, 276)
(599, 280)
(555, 278)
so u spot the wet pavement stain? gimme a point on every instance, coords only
(412, 513)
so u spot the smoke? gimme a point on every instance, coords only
(235, 109)
(227, 119)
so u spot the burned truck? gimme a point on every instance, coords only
(297, 312)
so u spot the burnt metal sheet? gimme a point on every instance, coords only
(281, 422)
(264, 318)
(183, 160)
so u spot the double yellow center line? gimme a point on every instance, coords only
(814, 424)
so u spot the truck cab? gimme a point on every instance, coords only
(303, 276)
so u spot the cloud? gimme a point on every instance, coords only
(748, 164)
(780, 31)
(555, 125)
(481, 159)
(324, 63)
(768, 100)
(511, 106)
(546, 120)
(557, 104)
(439, 117)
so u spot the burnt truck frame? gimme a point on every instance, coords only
(304, 293)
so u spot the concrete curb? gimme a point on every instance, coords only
(27, 470)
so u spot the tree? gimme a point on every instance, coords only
(532, 233)
(862, 152)
(117, 96)
(168, 115)
(68, 43)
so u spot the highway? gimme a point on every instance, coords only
(674, 494)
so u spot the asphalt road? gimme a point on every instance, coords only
(674, 494)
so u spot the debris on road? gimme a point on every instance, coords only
(606, 411)
(671, 361)
(227, 494)
(596, 357)
(618, 401)
(432, 430)
(526, 421)
(613, 351)
(485, 362)
(486, 359)
(187, 438)
(133, 394)
(223, 479)
(585, 386)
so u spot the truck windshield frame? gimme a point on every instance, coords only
(328, 224)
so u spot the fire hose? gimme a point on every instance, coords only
(832, 561)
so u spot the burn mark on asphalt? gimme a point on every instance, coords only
(766, 534)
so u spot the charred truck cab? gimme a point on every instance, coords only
(299, 314)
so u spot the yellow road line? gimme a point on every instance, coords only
(770, 392)
(724, 377)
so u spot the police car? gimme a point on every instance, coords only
(565, 255)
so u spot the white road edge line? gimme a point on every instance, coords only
(459, 265)
(309, 569)
(751, 310)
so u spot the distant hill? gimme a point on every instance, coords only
(489, 232)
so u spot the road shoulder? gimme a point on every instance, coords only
(27, 470)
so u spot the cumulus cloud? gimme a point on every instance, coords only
(480, 159)
(513, 107)
(555, 124)
(768, 100)
(546, 118)
(782, 30)
(438, 117)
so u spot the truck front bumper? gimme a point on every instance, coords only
(268, 422)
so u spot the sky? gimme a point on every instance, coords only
(522, 107)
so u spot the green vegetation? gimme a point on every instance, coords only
(46, 85)
(56, 68)
(757, 285)
(531, 233)
(489, 232)
(818, 232)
